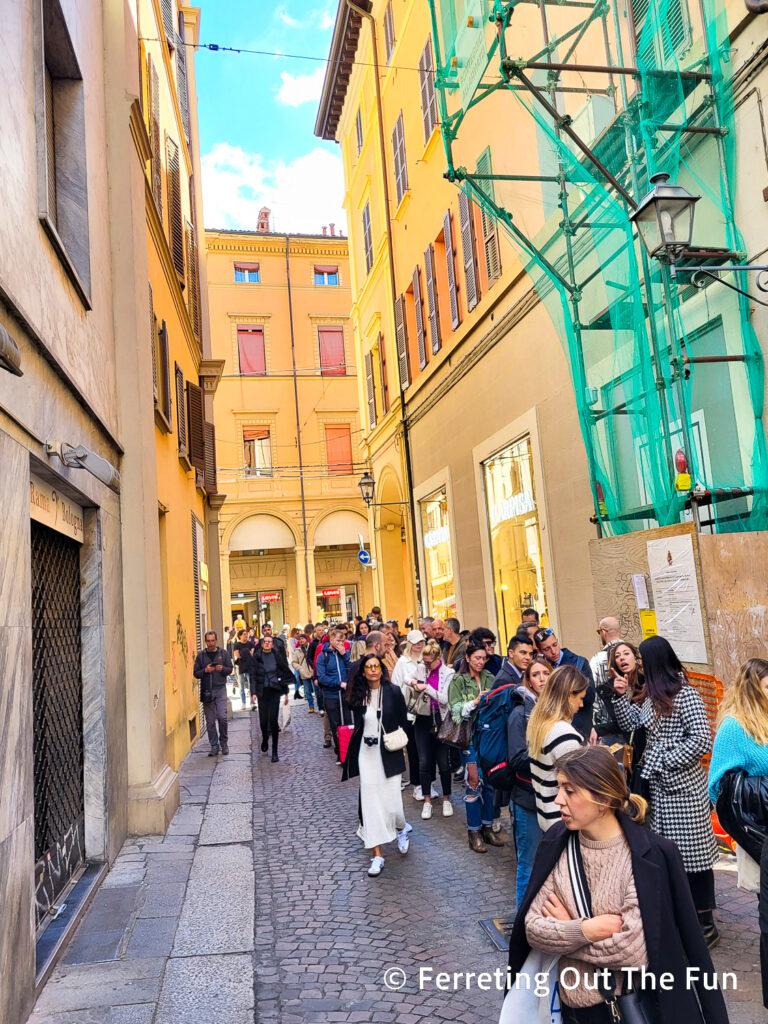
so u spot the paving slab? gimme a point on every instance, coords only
(227, 823)
(86, 986)
(215, 919)
(202, 988)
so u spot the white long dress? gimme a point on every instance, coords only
(381, 799)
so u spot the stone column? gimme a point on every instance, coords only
(215, 596)
(226, 588)
(305, 609)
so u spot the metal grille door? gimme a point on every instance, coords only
(58, 714)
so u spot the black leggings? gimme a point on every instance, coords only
(702, 886)
(431, 752)
(269, 706)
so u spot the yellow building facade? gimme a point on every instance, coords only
(184, 375)
(288, 431)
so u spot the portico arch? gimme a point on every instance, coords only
(343, 586)
(264, 570)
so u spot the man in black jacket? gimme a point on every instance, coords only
(212, 666)
(519, 657)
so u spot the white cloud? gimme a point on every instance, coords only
(303, 195)
(285, 17)
(324, 18)
(298, 89)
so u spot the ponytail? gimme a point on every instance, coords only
(635, 807)
(596, 770)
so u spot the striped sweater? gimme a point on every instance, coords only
(560, 739)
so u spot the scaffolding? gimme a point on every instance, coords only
(588, 99)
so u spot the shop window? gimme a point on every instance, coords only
(250, 349)
(513, 521)
(257, 451)
(247, 273)
(332, 358)
(438, 558)
(338, 449)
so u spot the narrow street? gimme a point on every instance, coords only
(256, 907)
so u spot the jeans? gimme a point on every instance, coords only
(269, 706)
(479, 803)
(245, 689)
(337, 713)
(431, 752)
(297, 687)
(319, 692)
(216, 714)
(527, 833)
(309, 690)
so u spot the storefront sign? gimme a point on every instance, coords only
(676, 597)
(269, 598)
(440, 535)
(518, 505)
(49, 507)
(331, 592)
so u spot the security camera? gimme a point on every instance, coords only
(83, 458)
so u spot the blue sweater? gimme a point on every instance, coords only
(733, 748)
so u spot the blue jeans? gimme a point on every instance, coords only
(297, 687)
(479, 803)
(309, 690)
(527, 834)
(245, 689)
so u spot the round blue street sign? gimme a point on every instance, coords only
(364, 557)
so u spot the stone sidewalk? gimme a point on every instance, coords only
(256, 906)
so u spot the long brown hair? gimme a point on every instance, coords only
(746, 701)
(636, 692)
(553, 705)
(596, 770)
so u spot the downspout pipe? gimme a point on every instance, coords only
(310, 603)
(393, 290)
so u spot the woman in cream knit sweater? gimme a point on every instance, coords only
(641, 915)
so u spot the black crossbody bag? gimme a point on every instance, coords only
(631, 1007)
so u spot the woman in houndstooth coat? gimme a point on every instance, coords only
(678, 736)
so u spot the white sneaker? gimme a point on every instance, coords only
(434, 791)
(376, 865)
(403, 842)
(426, 812)
(417, 794)
(447, 808)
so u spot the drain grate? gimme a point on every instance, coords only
(498, 930)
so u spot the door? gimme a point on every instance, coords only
(57, 688)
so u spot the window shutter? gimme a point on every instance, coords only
(181, 77)
(210, 458)
(432, 306)
(467, 228)
(450, 263)
(193, 280)
(176, 230)
(367, 238)
(250, 349)
(420, 336)
(401, 335)
(332, 357)
(427, 86)
(369, 389)
(383, 369)
(196, 425)
(165, 356)
(389, 32)
(181, 412)
(166, 7)
(359, 130)
(338, 450)
(154, 136)
(398, 149)
(490, 235)
(153, 341)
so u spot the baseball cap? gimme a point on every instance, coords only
(415, 636)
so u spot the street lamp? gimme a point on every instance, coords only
(664, 219)
(367, 486)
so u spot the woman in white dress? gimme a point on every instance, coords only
(378, 707)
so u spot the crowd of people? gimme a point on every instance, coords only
(590, 748)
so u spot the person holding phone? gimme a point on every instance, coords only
(212, 666)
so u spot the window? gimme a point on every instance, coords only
(257, 451)
(62, 183)
(367, 239)
(383, 373)
(247, 273)
(153, 130)
(193, 279)
(427, 86)
(389, 32)
(175, 225)
(657, 47)
(250, 349)
(438, 560)
(401, 334)
(181, 77)
(338, 449)
(326, 275)
(418, 303)
(398, 150)
(332, 358)
(450, 265)
(196, 425)
(432, 300)
(370, 389)
(161, 372)
(490, 235)
(359, 131)
(181, 412)
(467, 228)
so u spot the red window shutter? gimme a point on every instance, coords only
(332, 359)
(325, 268)
(384, 380)
(338, 447)
(196, 425)
(450, 264)
(432, 301)
(246, 266)
(401, 334)
(419, 306)
(255, 433)
(250, 347)
(467, 228)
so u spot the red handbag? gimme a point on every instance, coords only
(344, 733)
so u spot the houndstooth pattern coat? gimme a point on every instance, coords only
(672, 766)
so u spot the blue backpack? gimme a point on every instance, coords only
(490, 736)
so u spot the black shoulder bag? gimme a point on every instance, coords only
(632, 1007)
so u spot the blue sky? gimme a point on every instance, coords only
(257, 115)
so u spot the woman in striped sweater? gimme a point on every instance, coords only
(550, 735)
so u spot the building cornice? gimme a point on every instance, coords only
(270, 244)
(346, 36)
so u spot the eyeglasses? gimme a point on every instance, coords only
(373, 668)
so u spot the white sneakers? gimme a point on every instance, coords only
(447, 808)
(426, 812)
(403, 842)
(417, 794)
(377, 863)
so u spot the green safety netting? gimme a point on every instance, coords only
(632, 331)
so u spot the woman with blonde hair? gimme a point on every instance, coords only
(607, 896)
(550, 735)
(429, 702)
(408, 669)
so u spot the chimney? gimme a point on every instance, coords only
(325, 230)
(333, 229)
(263, 223)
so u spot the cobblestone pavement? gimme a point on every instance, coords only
(256, 906)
